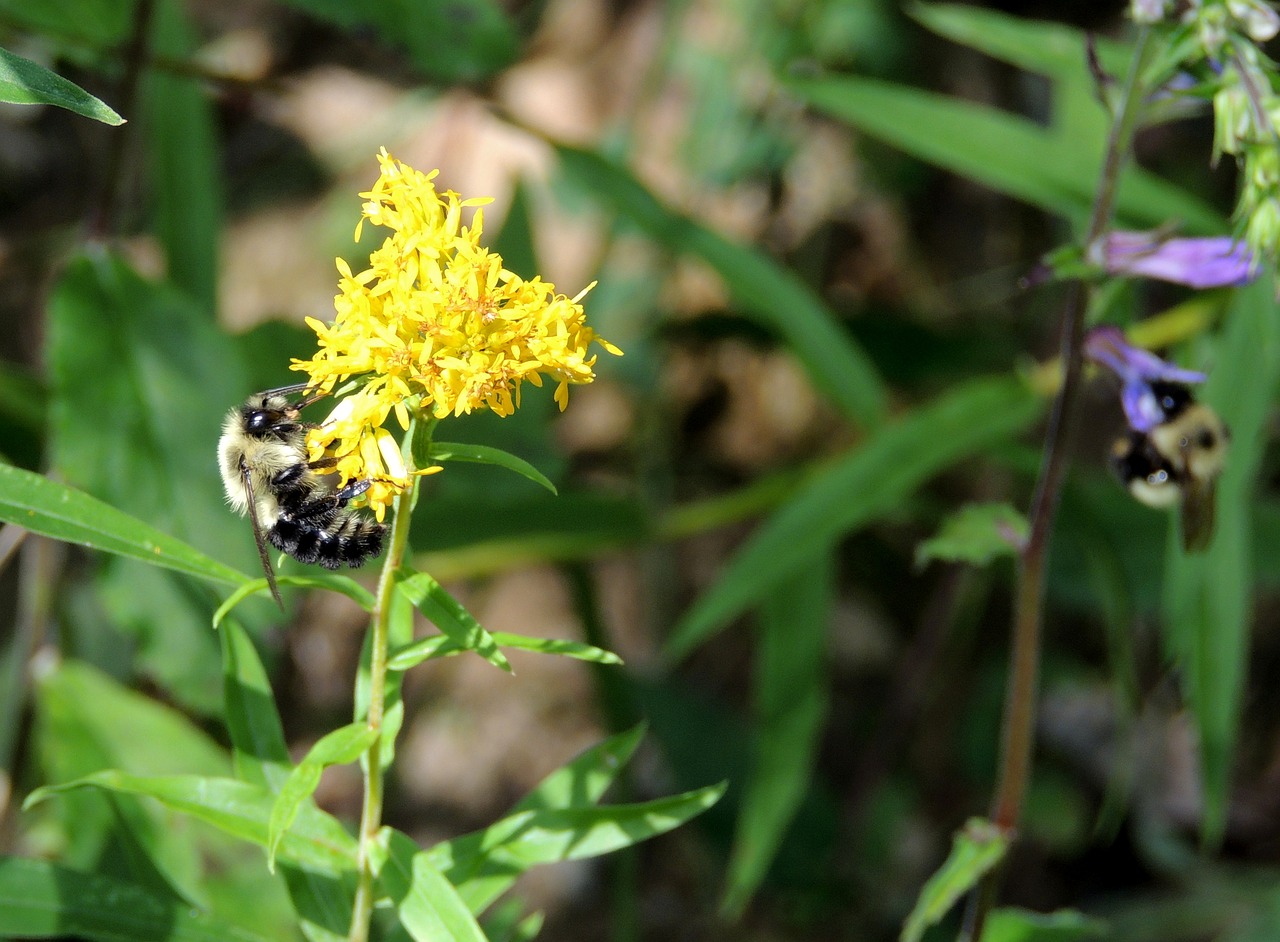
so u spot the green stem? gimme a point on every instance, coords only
(371, 764)
(1020, 697)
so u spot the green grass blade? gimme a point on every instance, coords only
(1009, 154)
(185, 173)
(1041, 46)
(871, 480)
(1208, 597)
(791, 703)
(24, 82)
(763, 289)
(41, 900)
(334, 582)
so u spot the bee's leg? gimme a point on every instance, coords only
(354, 489)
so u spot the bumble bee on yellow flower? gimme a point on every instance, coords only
(435, 324)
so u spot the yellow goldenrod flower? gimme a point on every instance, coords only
(435, 322)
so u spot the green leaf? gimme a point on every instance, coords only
(451, 40)
(185, 173)
(449, 615)
(871, 480)
(484, 454)
(41, 900)
(321, 904)
(24, 82)
(344, 745)
(1041, 46)
(1019, 925)
(428, 905)
(791, 702)
(87, 721)
(977, 534)
(585, 779)
(1009, 154)
(315, 842)
(1208, 596)
(259, 751)
(767, 292)
(484, 864)
(42, 506)
(975, 850)
(438, 646)
(334, 582)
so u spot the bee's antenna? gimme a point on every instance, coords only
(295, 388)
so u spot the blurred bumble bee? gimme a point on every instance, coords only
(1177, 461)
(266, 472)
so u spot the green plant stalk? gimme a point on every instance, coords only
(1018, 740)
(371, 764)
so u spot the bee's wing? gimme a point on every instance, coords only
(1199, 508)
(258, 537)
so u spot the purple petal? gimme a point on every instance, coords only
(1208, 262)
(1137, 370)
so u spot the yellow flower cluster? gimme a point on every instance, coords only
(435, 322)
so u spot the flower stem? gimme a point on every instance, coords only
(1020, 696)
(371, 764)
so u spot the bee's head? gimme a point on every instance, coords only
(269, 416)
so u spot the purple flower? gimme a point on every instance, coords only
(1209, 262)
(1151, 388)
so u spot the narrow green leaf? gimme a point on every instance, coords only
(790, 692)
(976, 849)
(1009, 154)
(484, 864)
(871, 480)
(977, 534)
(51, 509)
(259, 751)
(484, 454)
(428, 905)
(767, 292)
(1041, 46)
(438, 646)
(457, 41)
(584, 780)
(450, 616)
(1208, 596)
(41, 900)
(26, 83)
(344, 745)
(1019, 925)
(334, 582)
(185, 174)
(316, 841)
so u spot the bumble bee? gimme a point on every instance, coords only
(1177, 461)
(266, 472)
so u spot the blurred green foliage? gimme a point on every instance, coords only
(791, 646)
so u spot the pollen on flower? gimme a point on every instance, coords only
(435, 324)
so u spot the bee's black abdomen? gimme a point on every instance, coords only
(328, 538)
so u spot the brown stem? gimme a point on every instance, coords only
(1020, 698)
